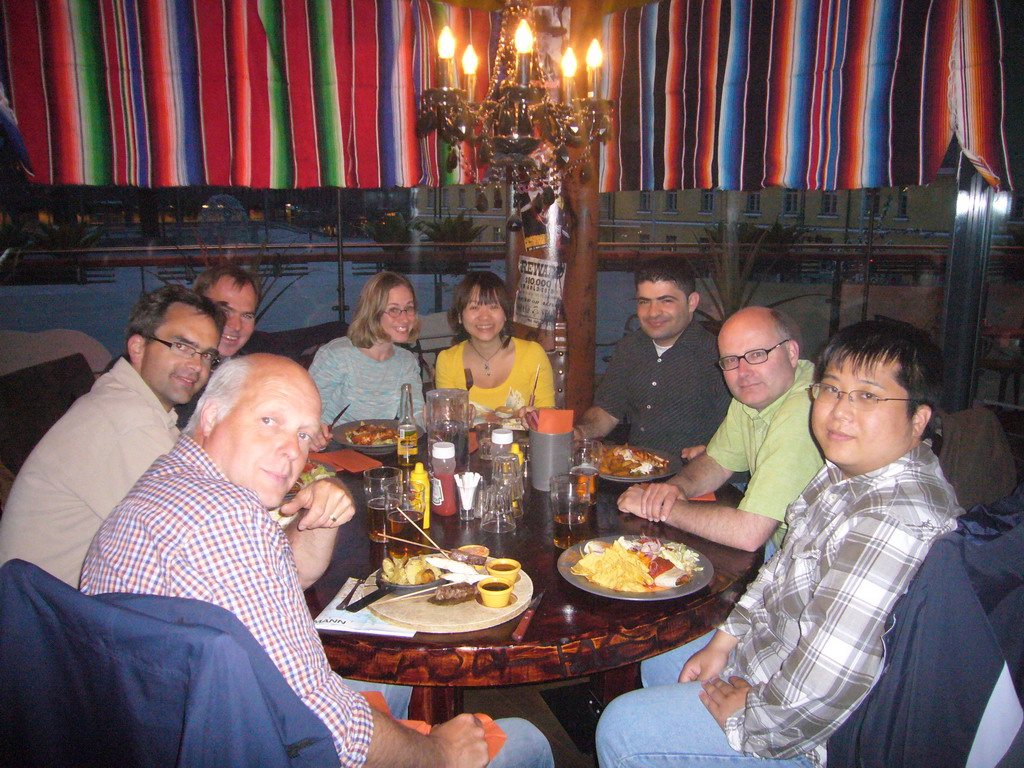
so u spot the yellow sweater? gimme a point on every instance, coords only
(514, 392)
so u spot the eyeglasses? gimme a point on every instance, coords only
(181, 349)
(753, 356)
(396, 311)
(859, 399)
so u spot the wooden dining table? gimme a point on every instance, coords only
(573, 634)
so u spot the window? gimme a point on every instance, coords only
(444, 199)
(874, 200)
(609, 205)
(753, 203)
(671, 239)
(462, 197)
(645, 201)
(498, 202)
(645, 237)
(902, 205)
(791, 203)
(499, 236)
(707, 201)
(672, 201)
(829, 204)
(1017, 208)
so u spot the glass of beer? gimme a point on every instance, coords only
(383, 489)
(405, 523)
(570, 504)
(586, 462)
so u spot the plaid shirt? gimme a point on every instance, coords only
(810, 626)
(185, 530)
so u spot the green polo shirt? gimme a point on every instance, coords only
(775, 446)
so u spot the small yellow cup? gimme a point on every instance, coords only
(494, 593)
(504, 568)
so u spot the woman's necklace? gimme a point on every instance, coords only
(486, 360)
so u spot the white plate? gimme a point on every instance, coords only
(339, 434)
(572, 555)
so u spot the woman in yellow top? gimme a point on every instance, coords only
(502, 371)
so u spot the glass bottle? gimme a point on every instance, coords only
(408, 432)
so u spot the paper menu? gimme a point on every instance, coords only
(336, 619)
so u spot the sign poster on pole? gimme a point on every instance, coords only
(541, 272)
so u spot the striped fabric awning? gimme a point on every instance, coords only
(736, 94)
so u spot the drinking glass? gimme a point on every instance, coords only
(496, 515)
(570, 503)
(448, 416)
(507, 473)
(405, 523)
(586, 461)
(383, 489)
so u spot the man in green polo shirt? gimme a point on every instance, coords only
(766, 432)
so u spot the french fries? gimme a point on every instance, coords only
(408, 571)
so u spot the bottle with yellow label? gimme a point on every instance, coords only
(408, 432)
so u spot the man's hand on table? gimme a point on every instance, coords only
(651, 501)
(691, 453)
(327, 504)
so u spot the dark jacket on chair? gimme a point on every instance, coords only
(955, 643)
(139, 680)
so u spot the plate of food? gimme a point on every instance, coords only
(635, 568)
(449, 604)
(503, 418)
(374, 437)
(635, 464)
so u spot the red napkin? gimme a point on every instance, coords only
(710, 496)
(554, 421)
(493, 735)
(346, 459)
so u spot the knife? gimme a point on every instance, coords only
(348, 597)
(365, 600)
(524, 623)
(340, 414)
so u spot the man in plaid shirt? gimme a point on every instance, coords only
(803, 646)
(196, 525)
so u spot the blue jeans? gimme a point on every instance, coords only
(526, 747)
(665, 725)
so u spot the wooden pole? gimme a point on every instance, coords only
(579, 296)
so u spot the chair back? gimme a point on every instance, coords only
(975, 456)
(33, 399)
(949, 694)
(139, 680)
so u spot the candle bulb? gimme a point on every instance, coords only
(469, 64)
(594, 59)
(524, 47)
(446, 55)
(569, 65)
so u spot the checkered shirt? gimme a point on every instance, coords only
(810, 626)
(185, 530)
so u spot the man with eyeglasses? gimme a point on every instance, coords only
(662, 378)
(93, 455)
(765, 433)
(803, 646)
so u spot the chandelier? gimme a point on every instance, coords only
(518, 135)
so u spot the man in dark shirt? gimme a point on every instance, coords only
(662, 379)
